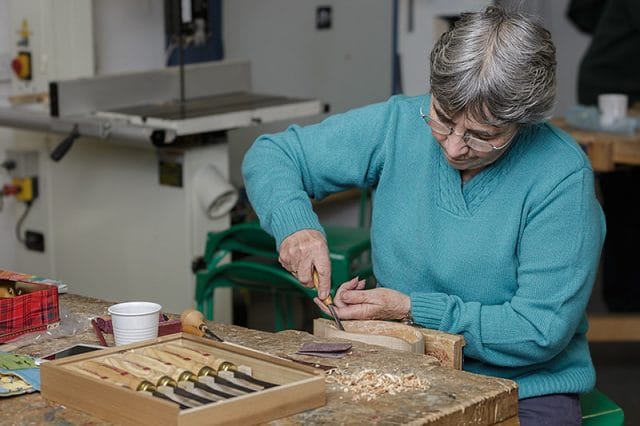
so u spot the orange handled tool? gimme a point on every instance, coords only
(328, 301)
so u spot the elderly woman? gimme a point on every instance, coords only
(485, 222)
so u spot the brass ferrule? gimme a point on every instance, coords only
(146, 386)
(207, 371)
(227, 366)
(167, 381)
(187, 375)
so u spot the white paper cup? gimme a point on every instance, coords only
(613, 107)
(134, 321)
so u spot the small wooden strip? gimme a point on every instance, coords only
(446, 347)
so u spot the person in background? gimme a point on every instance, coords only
(484, 223)
(611, 64)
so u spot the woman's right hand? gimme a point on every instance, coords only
(303, 251)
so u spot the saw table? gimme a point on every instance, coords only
(451, 397)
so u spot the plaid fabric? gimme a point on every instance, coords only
(29, 312)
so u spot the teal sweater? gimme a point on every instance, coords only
(507, 260)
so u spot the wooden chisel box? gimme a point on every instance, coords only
(108, 383)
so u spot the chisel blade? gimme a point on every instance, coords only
(224, 382)
(168, 398)
(253, 380)
(335, 317)
(186, 394)
(212, 390)
(328, 302)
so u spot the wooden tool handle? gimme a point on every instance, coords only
(156, 364)
(175, 359)
(199, 356)
(316, 281)
(140, 370)
(113, 374)
(193, 322)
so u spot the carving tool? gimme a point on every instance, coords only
(125, 379)
(186, 361)
(328, 301)
(193, 323)
(155, 377)
(217, 364)
(174, 372)
(308, 363)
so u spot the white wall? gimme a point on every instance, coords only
(129, 35)
(5, 46)
(7, 214)
(346, 66)
(419, 26)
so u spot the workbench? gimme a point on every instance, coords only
(452, 397)
(605, 150)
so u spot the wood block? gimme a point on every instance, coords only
(446, 347)
(387, 334)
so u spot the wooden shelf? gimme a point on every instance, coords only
(614, 328)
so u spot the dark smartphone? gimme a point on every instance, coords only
(72, 350)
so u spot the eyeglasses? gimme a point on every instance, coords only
(472, 142)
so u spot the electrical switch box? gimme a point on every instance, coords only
(24, 173)
(28, 188)
(21, 65)
(25, 162)
(50, 40)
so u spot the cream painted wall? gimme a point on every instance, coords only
(7, 214)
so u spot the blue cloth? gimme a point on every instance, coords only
(29, 375)
(507, 259)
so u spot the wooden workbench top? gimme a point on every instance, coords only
(452, 396)
(606, 150)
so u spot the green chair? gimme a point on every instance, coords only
(349, 253)
(598, 410)
(252, 276)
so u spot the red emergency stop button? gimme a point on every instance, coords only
(21, 65)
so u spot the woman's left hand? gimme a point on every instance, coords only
(352, 301)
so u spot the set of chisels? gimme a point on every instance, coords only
(186, 376)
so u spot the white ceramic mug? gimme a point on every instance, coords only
(613, 107)
(134, 321)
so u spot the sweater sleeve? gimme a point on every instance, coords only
(282, 171)
(558, 255)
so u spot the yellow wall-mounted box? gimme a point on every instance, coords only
(28, 188)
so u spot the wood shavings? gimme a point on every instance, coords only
(369, 384)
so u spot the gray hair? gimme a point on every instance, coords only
(497, 66)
